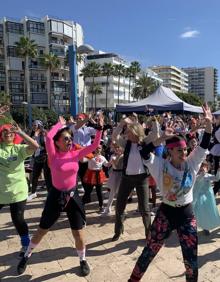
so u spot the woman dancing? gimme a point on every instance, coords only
(63, 159)
(176, 178)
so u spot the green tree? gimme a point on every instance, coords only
(85, 73)
(95, 89)
(129, 75)
(190, 98)
(135, 68)
(144, 87)
(119, 71)
(107, 70)
(94, 70)
(4, 98)
(27, 49)
(51, 62)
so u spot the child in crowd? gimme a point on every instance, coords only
(115, 174)
(204, 203)
(95, 176)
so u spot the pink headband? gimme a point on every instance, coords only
(181, 144)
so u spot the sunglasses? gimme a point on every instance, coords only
(67, 138)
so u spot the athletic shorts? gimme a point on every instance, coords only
(52, 210)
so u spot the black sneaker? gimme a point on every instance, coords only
(22, 265)
(84, 268)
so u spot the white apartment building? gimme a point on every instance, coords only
(203, 82)
(124, 89)
(101, 58)
(173, 77)
(51, 35)
(152, 74)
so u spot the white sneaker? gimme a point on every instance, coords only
(106, 212)
(31, 197)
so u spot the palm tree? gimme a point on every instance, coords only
(94, 70)
(107, 70)
(51, 62)
(135, 68)
(144, 87)
(119, 71)
(84, 73)
(129, 75)
(95, 89)
(26, 49)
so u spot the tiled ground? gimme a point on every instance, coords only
(56, 260)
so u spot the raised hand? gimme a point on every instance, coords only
(101, 120)
(15, 128)
(62, 120)
(168, 133)
(207, 112)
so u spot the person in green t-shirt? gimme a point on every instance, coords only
(13, 185)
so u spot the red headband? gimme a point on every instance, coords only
(17, 139)
(181, 144)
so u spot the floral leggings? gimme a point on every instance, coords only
(167, 219)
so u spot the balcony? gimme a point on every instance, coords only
(38, 78)
(59, 42)
(57, 78)
(15, 78)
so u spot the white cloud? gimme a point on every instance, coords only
(190, 34)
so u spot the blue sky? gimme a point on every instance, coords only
(177, 32)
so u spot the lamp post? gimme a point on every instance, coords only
(73, 51)
(24, 103)
(24, 115)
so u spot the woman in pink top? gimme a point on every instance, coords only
(63, 159)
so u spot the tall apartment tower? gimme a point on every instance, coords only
(51, 35)
(203, 82)
(173, 77)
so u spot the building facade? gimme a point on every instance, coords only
(51, 36)
(112, 95)
(203, 82)
(173, 77)
(124, 95)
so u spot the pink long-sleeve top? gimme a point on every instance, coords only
(64, 165)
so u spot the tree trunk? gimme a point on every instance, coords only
(93, 82)
(129, 90)
(95, 101)
(106, 94)
(118, 87)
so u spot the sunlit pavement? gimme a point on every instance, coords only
(55, 259)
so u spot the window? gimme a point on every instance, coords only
(11, 51)
(56, 26)
(38, 98)
(15, 27)
(35, 27)
(38, 87)
(16, 87)
(2, 76)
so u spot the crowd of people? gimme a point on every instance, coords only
(174, 154)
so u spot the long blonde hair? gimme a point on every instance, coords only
(137, 130)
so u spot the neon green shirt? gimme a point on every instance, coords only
(13, 183)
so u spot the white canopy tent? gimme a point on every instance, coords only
(163, 99)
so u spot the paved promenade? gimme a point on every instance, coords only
(55, 259)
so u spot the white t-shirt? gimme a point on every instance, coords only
(135, 163)
(97, 162)
(174, 190)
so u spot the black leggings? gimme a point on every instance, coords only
(87, 196)
(37, 169)
(17, 216)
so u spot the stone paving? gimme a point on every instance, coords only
(56, 260)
